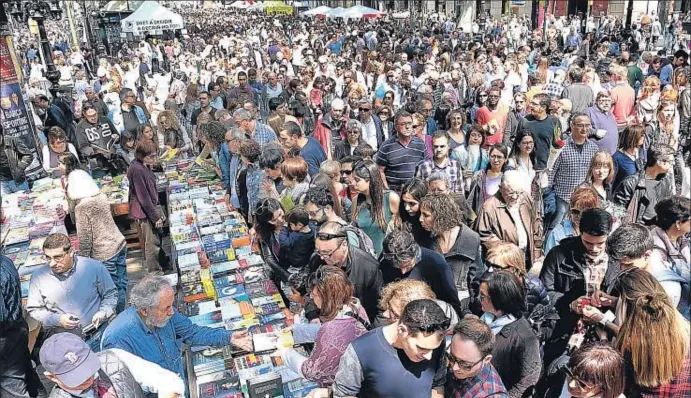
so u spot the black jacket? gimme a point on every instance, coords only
(432, 269)
(465, 260)
(516, 356)
(364, 273)
(342, 149)
(562, 275)
(631, 194)
(19, 156)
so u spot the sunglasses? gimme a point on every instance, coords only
(581, 384)
(347, 172)
(325, 237)
(462, 365)
(364, 109)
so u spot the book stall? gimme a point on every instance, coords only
(29, 218)
(223, 285)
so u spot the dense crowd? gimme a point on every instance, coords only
(460, 211)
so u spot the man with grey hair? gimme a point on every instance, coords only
(403, 258)
(331, 127)
(231, 164)
(154, 330)
(260, 132)
(509, 217)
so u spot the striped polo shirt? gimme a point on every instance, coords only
(400, 161)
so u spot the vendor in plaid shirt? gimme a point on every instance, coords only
(469, 361)
(442, 162)
(571, 167)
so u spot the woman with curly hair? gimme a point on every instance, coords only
(174, 135)
(458, 243)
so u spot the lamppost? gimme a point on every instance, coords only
(39, 10)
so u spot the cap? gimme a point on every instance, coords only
(101, 73)
(69, 358)
(364, 103)
(406, 68)
(322, 59)
(434, 75)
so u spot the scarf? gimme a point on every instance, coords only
(496, 324)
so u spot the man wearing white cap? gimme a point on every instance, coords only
(79, 372)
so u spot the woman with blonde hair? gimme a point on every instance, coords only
(544, 74)
(663, 128)
(396, 295)
(172, 134)
(600, 175)
(648, 100)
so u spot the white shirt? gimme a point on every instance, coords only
(520, 228)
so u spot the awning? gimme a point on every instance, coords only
(363, 12)
(122, 5)
(321, 10)
(242, 4)
(151, 16)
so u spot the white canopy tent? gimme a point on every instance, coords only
(321, 10)
(242, 4)
(151, 16)
(338, 12)
(360, 11)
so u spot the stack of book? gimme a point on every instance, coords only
(224, 284)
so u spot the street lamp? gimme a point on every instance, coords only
(38, 10)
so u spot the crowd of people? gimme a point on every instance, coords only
(459, 211)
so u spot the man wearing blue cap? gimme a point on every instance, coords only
(79, 372)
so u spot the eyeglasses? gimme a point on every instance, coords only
(482, 95)
(325, 237)
(529, 143)
(57, 258)
(483, 297)
(347, 172)
(324, 256)
(497, 157)
(416, 126)
(462, 365)
(583, 385)
(353, 132)
(364, 109)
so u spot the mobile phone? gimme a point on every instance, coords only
(74, 318)
(90, 328)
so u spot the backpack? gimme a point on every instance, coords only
(358, 238)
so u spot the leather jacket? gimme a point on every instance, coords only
(19, 156)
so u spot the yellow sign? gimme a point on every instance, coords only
(277, 8)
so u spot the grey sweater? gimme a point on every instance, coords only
(99, 237)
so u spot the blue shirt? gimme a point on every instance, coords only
(10, 292)
(314, 155)
(162, 346)
(561, 231)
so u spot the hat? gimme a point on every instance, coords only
(434, 75)
(69, 358)
(364, 103)
(322, 59)
(406, 68)
(101, 73)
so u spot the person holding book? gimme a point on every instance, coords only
(342, 320)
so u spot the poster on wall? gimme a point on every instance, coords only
(14, 116)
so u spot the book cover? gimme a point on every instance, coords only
(193, 292)
(268, 385)
(197, 308)
(224, 267)
(207, 319)
(241, 324)
(253, 274)
(225, 388)
(229, 291)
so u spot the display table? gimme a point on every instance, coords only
(223, 285)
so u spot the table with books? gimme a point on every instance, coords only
(29, 218)
(223, 285)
